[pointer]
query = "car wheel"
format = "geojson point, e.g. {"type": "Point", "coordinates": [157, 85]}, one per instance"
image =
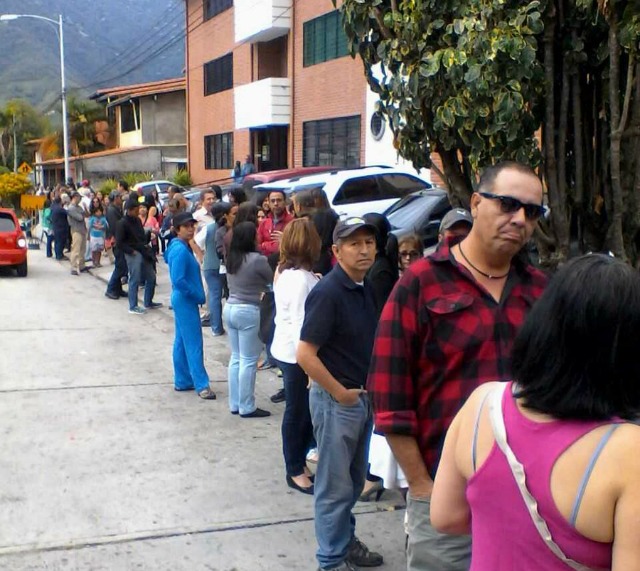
{"type": "Point", "coordinates": [22, 270]}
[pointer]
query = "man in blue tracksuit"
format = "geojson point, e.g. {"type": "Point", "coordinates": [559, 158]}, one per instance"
{"type": "Point", "coordinates": [187, 294]}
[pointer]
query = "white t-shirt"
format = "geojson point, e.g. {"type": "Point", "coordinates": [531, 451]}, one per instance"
{"type": "Point", "coordinates": [290, 292]}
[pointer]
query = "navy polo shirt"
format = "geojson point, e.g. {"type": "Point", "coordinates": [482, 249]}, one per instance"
{"type": "Point", "coordinates": [341, 319]}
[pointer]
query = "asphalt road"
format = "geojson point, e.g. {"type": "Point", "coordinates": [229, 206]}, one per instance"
{"type": "Point", "coordinates": [104, 467]}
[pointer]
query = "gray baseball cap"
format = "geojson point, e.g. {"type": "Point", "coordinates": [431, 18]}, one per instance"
{"type": "Point", "coordinates": [344, 228]}
{"type": "Point", "coordinates": [454, 217]}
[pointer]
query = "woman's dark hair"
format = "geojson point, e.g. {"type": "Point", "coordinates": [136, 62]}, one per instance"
{"type": "Point", "coordinates": [239, 195]}
{"type": "Point", "coordinates": [260, 197]}
{"type": "Point", "coordinates": [576, 356]}
{"type": "Point", "coordinates": [386, 242]}
{"type": "Point", "coordinates": [219, 210]}
{"type": "Point", "coordinates": [324, 221]}
{"type": "Point", "coordinates": [95, 207]}
{"type": "Point", "coordinates": [243, 241]}
{"type": "Point", "coordinates": [320, 198]}
{"type": "Point", "coordinates": [247, 212]}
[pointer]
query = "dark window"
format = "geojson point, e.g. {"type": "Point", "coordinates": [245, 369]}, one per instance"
{"type": "Point", "coordinates": [377, 126]}
{"type": "Point", "coordinates": [334, 142]}
{"type": "Point", "coordinates": [361, 189]}
{"type": "Point", "coordinates": [324, 39]}
{"type": "Point", "coordinates": [6, 223]}
{"type": "Point", "coordinates": [218, 151]}
{"type": "Point", "coordinates": [397, 185]}
{"type": "Point", "coordinates": [218, 74]}
{"type": "Point", "coordinates": [129, 117]}
{"type": "Point", "coordinates": [214, 7]}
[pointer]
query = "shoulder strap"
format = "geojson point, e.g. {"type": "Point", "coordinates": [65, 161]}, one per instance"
{"type": "Point", "coordinates": [474, 444]}
{"type": "Point", "coordinates": [517, 469]}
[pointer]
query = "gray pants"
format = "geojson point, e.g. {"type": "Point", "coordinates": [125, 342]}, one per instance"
{"type": "Point", "coordinates": [429, 550]}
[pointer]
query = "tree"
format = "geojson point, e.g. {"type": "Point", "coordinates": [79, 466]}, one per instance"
{"type": "Point", "coordinates": [83, 115]}
{"type": "Point", "coordinates": [552, 83]}
{"type": "Point", "coordinates": [19, 122]}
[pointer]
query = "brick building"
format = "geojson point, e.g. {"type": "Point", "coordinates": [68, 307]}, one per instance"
{"type": "Point", "coordinates": [272, 79]}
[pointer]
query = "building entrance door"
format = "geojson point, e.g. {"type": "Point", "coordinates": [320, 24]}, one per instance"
{"type": "Point", "coordinates": [270, 147]}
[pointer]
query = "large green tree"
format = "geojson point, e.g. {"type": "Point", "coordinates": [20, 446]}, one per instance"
{"type": "Point", "coordinates": [19, 122]}
{"type": "Point", "coordinates": [553, 83]}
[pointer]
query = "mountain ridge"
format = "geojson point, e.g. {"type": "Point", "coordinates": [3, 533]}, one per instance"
{"type": "Point", "coordinates": [128, 41]}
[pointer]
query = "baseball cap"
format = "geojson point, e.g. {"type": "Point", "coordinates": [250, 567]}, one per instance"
{"type": "Point", "coordinates": [113, 195]}
{"type": "Point", "coordinates": [181, 219]}
{"type": "Point", "coordinates": [455, 216]}
{"type": "Point", "coordinates": [132, 202]}
{"type": "Point", "coordinates": [344, 228]}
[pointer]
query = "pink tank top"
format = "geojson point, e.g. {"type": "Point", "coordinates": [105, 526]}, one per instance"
{"type": "Point", "coordinates": [504, 537]}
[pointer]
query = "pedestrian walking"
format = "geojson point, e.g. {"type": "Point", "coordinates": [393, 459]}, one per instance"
{"type": "Point", "coordinates": [448, 327]}
{"type": "Point", "coordinates": [132, 239]}
{"type": "Point", "coordinates": [548, 454]}
{"type": "Point", "coordinates": [249, 275]}
{"type": "Point", "coordinates": [187, 294]}
{"type": "Point", "coordinates": [334, 350]}
{"type": "Point", "coordinates": [299, 250]}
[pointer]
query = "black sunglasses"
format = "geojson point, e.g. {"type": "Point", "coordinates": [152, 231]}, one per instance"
{"type": "Point", "coordinates": [509, 205]}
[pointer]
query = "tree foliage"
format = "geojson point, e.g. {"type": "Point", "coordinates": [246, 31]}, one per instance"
{"type": "Point", "coordinates": [19, 122]}
{"type": "Point", "coordinates": [13, 185]}
{"type": "Point", "coordinates": [552, 83]}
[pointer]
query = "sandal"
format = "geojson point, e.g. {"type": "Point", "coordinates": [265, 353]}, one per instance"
{"type": "Point", "coordinates": [207, 394]}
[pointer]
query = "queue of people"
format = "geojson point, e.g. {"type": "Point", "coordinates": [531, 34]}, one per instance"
{"type": "Point", "coordinates": [394, 367]}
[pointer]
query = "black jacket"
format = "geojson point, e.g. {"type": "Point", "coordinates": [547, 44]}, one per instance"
{"type": "Point", "coordinates": [130, 236]}
{"type": "Point", "coordinates": [114, 215]}
{"type": "Point", "coordinates": [59, 222]}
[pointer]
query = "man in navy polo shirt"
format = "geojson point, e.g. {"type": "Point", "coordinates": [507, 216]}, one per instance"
{"type": "Point", "coordinates": [335, 349]}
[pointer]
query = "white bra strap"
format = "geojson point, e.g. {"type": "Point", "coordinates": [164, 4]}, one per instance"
{"type": "Point", "coordinates": [517, 469]}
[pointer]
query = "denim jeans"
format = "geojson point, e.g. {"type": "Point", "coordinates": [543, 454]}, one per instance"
{"type": "Point", "coordinates": [243, 323]}
{"type": "Point", "coordinates": [343, 434]}
{"type": "Point", "coordinates": [214, 285]}
{"type": "Point", "coordinates": [119, 271]}
{"type": "Point", "coordinates": [140, 269]}
{"type": "Point", "coordinates": [49, 238]}
{"type": "Point", "coordinates": [297, 430]}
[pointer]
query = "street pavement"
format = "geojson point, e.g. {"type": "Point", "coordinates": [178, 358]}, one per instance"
{"type": "Point", "coordinates": [105, 467]}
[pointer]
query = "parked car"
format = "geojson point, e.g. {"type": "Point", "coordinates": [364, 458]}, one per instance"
{"type": "Point", "coordinates": [162, 186]}
{"type": "Point", "coordinates": [13, 242]}
{"type": "Point", "coordinates": [355, 192]}
{"type": "Point", "coordinates": [419, 213]}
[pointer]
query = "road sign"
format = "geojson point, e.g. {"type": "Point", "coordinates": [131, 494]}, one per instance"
{"type": "Point", "coordinates": [25, 169]}
{"type": "Point", "coordinates": [32, 202]}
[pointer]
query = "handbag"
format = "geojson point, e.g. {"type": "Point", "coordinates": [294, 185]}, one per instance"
{"type": "Point", "coordinates": [267, 317]}
{"type": "Point", "coordinates": [517, 469]}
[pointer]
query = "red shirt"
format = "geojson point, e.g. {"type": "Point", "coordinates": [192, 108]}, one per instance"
{"type": "Point", "coordinates": [268, 245]}
{"type": "Point", "coordinates": [440, 335]}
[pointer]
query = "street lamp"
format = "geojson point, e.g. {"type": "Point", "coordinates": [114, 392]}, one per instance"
{"type": "Point", "coordinates": [65, 119]}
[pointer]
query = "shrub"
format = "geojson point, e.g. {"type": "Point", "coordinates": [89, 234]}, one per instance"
{"type": "Point", "coordinates": [182, 178]}
{"type": "Point", "coordinates": [108, 185]}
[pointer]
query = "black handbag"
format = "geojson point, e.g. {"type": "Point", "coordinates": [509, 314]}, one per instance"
{"type": "Point", "coordinates": [267, 317]}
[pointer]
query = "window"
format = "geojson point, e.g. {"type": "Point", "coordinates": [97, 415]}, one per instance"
{"type": "Point", "coordinates": [397, 185]}
{"type": "Point", "coordinates": [324, 39]}
{"type": "Point", "coordinates": [218, 151]}
{"type": "Point", "coordinates": [377, 126]}
{"type": "Point", "coordinates": [129, 117]}
{"type": "Point", "coordinates": [6, 223]}
{"type": "Point", "coordinates": [218, 74]}
{"type": "Point", "coordinates": [334, 142]}
{"type": "Point", "coordinates": [361, 189]}
{"type": "Point", "coordinates": [214, 7]}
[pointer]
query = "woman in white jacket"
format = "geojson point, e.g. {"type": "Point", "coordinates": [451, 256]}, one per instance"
{"type": "Point", "coordinates": [299, 249]}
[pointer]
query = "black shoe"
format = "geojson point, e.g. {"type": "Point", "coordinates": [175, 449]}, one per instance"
{"type": "Point", "coordinates": [112, 295]}
{"type": "Point", "coordinates": [360, 556]}
{"type": "Point", "coordinates": [278, 397]}
{"type": "Point", "coordinates": [86, 269]}
{"type": "Point", "coordinates": [153, 305]}
{"type": "Point", "coordinates": [292, 484]}
{"type": "Point", "coordinates": [205, 322]}
{"type": "Point", "coordinates": [258, 413]}
{"type": "Point", "coordinates": [207, 394]}
{"type": "Point", "coordinates": [124, 294]}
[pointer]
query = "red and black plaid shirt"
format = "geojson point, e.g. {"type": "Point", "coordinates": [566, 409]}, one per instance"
{"type": "Point", "coordinates": [441, 335]}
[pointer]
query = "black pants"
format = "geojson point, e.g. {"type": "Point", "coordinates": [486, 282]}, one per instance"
{"type": "Point", "coordinates": [59, 242]}
{"type": "Point", "coordinates": [297, 430]}
{"type": "Point", "coordinates": [119, 271]}
{"type": "Point", "coordinates": [49, 237]}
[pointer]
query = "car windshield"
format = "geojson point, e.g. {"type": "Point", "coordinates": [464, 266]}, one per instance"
{"type": "Point", "coordinates": [408, 213]}
{"type": "Point", "coordinates": [6, 223]}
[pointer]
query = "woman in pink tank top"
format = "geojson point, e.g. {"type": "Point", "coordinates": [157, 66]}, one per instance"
{"type": "Point", "coordinates": [577, 372]}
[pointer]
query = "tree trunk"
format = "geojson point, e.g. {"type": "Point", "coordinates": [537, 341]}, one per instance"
{"type": "Point", "coordinates": [460, 188]}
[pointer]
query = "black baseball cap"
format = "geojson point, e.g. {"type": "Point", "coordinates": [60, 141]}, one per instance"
{"type": "Point", "coordinates": [344, 228]}
{"type": "Point", "coordinates": [182, 219]}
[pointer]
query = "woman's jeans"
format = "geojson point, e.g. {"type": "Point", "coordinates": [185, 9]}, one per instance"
{"type": "Point", "coordinates": [297, 430]}
{"type": "Point", "coordinates": [243, 324]}
{"type": "Point", "coordinates": [140, 270]}
{"type": "Point", "coordinates": [214, 285]}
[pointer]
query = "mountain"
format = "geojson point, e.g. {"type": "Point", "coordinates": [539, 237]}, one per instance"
{"type": "Point", "coordinates": [107, 43]}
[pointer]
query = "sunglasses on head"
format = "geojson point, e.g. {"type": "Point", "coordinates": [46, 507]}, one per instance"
{"type": "Point", "coordinates": [510, 205]}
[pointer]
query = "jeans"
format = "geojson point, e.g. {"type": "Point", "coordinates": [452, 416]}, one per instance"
{"type": "Point", "coordinates": [188, 357]}
{"type": "Point", "coordinates": [297, 429]}
{"type": "Point", "coordinates": [49, 235]}
{"type": "Point", "coordinates": [59, 242]}
{"type": "Point", "coordinates": [343, 434]}
{"type": "Point", "coordinates": [140, 269]}
{"type": "Point", "coordinates": [214, 284]}
{"type": "Point", "coordinates": [243, 323]}
{"type": "Point", "coordinates": [119, 271]}
{"type": "Point", "coordinates": [428, 549]}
